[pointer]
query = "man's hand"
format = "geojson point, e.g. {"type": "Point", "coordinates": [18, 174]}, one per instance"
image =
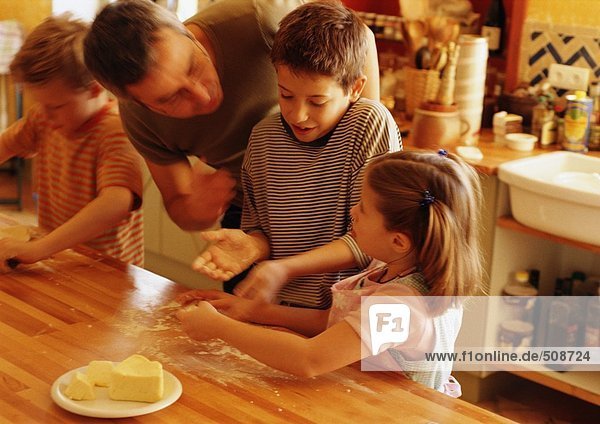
{"type": "Point", "coordinates": [212, 191]}
{"type": "Point", "coordinates": [230, 252]}
{"type": "Point", "coordinates": [196, 197]}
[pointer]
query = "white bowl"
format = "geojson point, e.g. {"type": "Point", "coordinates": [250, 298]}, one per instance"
{"type": "Point", "coordinates": [520, 141]}
{"type": "Point", "coordinates": [557, 192]}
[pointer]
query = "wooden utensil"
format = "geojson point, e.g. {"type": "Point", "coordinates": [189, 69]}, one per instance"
{"type": "Point", "coordinates": [446, 91]}
{"type": "Point", "coordinates": [441, 30]}
{"type": "Point", "coordinates": [415, 33]}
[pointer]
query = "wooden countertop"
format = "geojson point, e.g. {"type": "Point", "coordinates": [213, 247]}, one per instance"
{"type": "Point", "coordinates": [495, 154]}
{"type": "Point", "coordinates": [78, 306]}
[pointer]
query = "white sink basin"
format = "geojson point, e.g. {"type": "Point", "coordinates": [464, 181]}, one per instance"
{"type": "Point", "coordinates": [557, 192]}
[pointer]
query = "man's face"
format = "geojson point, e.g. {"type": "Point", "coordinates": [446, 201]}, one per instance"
{"type": "Point", "coordinates": [183, 82]}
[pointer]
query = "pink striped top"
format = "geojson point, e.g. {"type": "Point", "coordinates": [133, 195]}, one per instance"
{"type": "Point", "coordinates": [70, 172]}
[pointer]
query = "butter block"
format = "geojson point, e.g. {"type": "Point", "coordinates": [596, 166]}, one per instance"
{"type": "Point", "coordinates": [137, 379]}
{"type": "Point", "coordinates": [80, 388]}
{"type": "Point", "coordinates": [99, 373]}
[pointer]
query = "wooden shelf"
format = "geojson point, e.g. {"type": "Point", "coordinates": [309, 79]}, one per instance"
{"type": "Point", "coordinates": [510, 223]}
{"type": "Point", "coordinates": [581, 384]}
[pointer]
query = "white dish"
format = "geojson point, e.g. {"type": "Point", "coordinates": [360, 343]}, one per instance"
{"type": "Point", "coordinates": [469, 152]}
{"type": "Point", "coordinates": [520, 141]}
{"type": "Point", "coordinates": [557, 192]}
{"type": "Point", "coordinates": [104, 407]}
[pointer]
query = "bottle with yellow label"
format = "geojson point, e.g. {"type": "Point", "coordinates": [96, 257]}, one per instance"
{"type": "Point", "coordinates": [577, 122]}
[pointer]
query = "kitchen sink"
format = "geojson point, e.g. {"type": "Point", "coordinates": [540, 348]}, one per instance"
{"type": "Point", "coordinates": [557, 192]}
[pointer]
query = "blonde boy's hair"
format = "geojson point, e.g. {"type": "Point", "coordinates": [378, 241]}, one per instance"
{"type": "Point", "coordinates": [53, 50]}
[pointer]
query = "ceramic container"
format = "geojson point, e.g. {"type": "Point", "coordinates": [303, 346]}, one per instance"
{"type": "Point", "coordinates": [436, 126]}
{"type": "Point", "coordinates": [520, 141]}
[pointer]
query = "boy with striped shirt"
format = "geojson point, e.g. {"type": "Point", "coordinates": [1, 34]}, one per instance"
{"type": "Point", "coordinates": [88, 176]}
{"type": "Point", "coordinates": [302, 170]}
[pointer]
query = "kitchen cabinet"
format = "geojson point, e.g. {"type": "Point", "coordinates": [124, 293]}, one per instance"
{"type": "Point", "coordinates": [516, 247]}
{"type": "Point", "coordinates": [169, 251]}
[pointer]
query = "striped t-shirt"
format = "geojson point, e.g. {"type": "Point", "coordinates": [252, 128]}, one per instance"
{"type": "Point", "coordinates": [300, 194]}
{"type": "Point", "coordinates": [70, 172]}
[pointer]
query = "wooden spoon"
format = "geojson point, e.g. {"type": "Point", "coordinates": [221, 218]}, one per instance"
{"type": "Point", "coordinates": [442, 30]}
{"type": "Point", "coordinates": [416, 31]}
{"type": "Point", "coordinates": [439, 58]}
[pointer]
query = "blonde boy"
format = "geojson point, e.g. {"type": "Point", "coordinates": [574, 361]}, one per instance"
{"type": "Point", "coordinates": [88, 175]}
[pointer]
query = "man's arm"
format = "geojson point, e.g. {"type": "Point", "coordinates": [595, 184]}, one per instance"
{"type": "Point", "coordinates": [195, 197]}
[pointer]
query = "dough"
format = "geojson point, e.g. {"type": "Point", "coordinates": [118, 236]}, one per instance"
{"type": "Point", "coordinates": [80, 388]}
{"type": "Point", "coordinates": [134, 379]}
{"type": "Point", "coordinates": [16, 232]}
{"type": "Point", "coordinates": [99, 373]}
{"type": "Point", "coordinates": [137, 379]}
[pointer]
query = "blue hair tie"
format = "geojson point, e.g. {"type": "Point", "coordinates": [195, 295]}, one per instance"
{"type": "Point", "coordinates": [443, 152]}
{"type": "Point", "coordinates": [427, 200]}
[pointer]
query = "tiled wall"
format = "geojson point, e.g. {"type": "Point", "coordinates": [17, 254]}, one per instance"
{"type": "Point", "coordinates": [544, 44]}
{"type": "Point", "coordinates": [552, 36]}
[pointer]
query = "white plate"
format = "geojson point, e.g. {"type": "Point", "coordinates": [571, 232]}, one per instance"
{"type": "Point", "coordinates": [104, 407]}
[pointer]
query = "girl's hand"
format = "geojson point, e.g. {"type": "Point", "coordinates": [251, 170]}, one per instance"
{"type": "Point", "coordinates": [200, 321]}
{"type": "Point", "coordinates": [230, 252]}
{"type": "Point", "coordinates": [263, 282]}
{"type": "Point", "coordinates": [193, 296]}
{"type": "Point", "coordinates": [233, 306]}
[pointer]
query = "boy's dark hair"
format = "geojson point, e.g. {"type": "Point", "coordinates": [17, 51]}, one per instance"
{"type": "Point", "coordinates": [325, 38]}
{"type": "Point", "coordinates": [53, 50]}
{"type": "Point", "coordinates": [118, 49]}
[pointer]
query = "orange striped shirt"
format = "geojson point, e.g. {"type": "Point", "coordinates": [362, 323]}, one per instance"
{"type": "Point", "coordinates": [69, 174]}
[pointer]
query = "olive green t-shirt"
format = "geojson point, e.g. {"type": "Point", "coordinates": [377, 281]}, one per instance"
{"type": "Point", "coordinates": [241, 32]}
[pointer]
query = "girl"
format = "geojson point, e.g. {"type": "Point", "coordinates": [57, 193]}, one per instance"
{"type": "Point", "coordinates": [418, 217]}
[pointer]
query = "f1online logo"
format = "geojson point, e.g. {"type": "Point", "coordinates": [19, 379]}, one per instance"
{"type": "Point", "coordinates": [389, 323]}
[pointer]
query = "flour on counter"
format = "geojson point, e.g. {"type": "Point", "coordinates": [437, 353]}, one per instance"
{"type": "Point", "coordinates": [211, 359]}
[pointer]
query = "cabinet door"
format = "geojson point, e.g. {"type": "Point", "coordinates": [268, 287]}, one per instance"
{"type": "Point", "coordinates": [169, 250]}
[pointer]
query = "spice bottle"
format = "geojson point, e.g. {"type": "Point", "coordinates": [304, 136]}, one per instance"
{"type": "Point", "coordinates": [594, 143]}
{"type": "Point", "coordinates": [592, 323]}
{"type": "Point", "coordinates": [519, 297]}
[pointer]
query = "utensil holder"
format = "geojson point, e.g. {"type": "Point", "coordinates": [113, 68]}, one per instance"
{"type": "Point", "coordinates": [421, 86]}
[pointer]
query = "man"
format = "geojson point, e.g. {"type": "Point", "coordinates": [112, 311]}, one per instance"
{"type": "Point", "coordinates": [194, 90]}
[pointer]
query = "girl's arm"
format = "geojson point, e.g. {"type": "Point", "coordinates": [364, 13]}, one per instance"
{"type": "Point", "coordinates": [335, 348]}
{"type": "Point", "coordinates": [306, 321]}
{"type": "Point", "coordinates": [112, 205]}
